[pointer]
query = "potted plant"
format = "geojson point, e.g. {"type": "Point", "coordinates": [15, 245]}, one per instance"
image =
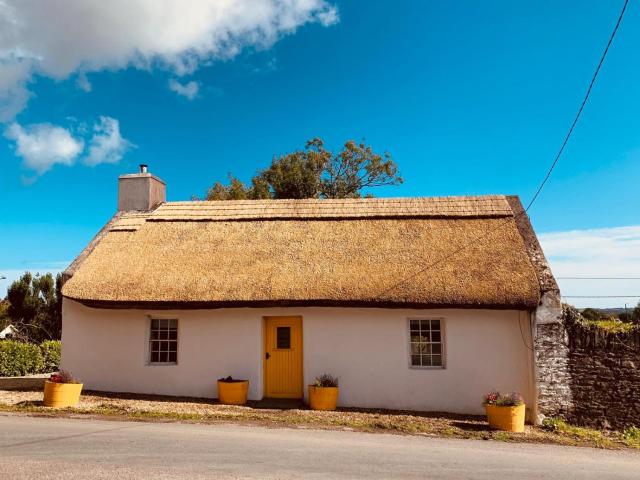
{"type": "Point", "coordinates": [505, 411]}
{"type": "Point", "coordinates": [232, 391]}
{"type": "Point", "coordinates": [323, 394]}
{"type": "Point", "coordinates": [62, 390]}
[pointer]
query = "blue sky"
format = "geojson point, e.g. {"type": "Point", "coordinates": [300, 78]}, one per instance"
{"type": "Point", "coordinates": [468, 97]}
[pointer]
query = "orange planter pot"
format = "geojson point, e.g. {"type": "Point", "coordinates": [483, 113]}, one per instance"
{"type": "Point", "coordinates": [509, 419]}
{"type": "Point", "coordinates": [61, 394]}
{"type": "Point", "coordinates": [233, 393]}
{"type": "Point", "coordinates": [323, 398]}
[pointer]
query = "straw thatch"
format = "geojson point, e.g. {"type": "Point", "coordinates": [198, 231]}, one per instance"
{"type": "Point", "coordinates": [464, 252]}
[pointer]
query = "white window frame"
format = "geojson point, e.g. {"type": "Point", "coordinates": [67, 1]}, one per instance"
{"type": "Point", "coordinates": [148, 362]}
{"type": "Point", "coordinates": [443, 344]}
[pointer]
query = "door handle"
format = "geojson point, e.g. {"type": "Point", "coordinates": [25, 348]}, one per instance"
{"type": "Point", "coordinates": [267, 355]}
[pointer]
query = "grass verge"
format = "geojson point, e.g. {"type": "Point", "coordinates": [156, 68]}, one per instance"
{"type": "Point", "coordinates": [168, 409]}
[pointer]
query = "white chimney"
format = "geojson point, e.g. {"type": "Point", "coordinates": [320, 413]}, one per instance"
{"type": "Point", "coordinates": [140, 191]}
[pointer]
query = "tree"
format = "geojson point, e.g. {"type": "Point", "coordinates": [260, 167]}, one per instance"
{"type": "Point", "coordinates": [35, 306]}
{"type": "Point", "coordinates": [591, 314]}
{"type": "Point", "coordinates": [315, 173]}
{"type": "Point", "coordinates": [635, 315]}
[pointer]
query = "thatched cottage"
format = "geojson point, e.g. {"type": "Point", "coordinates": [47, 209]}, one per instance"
{"type": "Point", "coordinates": [414, 303]}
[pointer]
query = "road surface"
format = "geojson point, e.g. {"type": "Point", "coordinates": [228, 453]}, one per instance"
{"type": "Point", "coordinates": [72, 448]}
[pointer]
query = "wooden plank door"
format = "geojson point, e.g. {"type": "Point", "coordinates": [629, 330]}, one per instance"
{"type": "Point", "coordinates": [283, 357]}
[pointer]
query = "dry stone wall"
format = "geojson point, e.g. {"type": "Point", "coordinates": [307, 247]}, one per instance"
{"type": "Point", "coordinates": [588, 376]}
{"type": "Point", "coordinates": [605, 378]}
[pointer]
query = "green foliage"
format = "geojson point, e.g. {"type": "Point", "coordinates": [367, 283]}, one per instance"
{"type": "Point", "coordinates": [562, 427]}
{"type": "Point", "coordinates": [611, 325]}
{"type": "Point", "coordinates": [591, 314]}
{"type": "Point", "coordinates": [50, 355]}
{"type": "Point", "coordinates": [315, 173]}
{"type": "Point", "coordinates": [632, 433]}
{"type": "Point", "coordinates": [635, 315]}
{"type": "Point", "coordinates": [18, 358]}
{"type": "Point", "coordinates": [4, 314]}
{"type": "Point", "coordinates": [553, 424]}
{"type": "Point", "coordinates": [572, 317]}
{"type": "Point", "coordinates": [35, 306]}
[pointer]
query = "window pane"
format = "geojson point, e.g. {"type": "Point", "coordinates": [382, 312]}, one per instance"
{"type": "Point", "coordinates": [436, 360]}
{"type": "Point", "coordinates": [435, 337]}
{"type": "Point", "coordinates": [415, 324]}
{"type": "Point", "coordinates": [163, 344]}
{"type": "Point", "coordinates": [415, 337]}
{"type": "Point", "coordinates": [424, 325]}
{"type": "Point", "coordinates": [426, 348]}
{"type": "Point", "coordinates": [435, 324]}
{"type": "Point", "coordinates": [436, 348]}
{"type": "Point", "coordinates": [426, 360]}
{"type": "Point", "coordinates": [415, 360]}
{"type": "Point", "coordinates": [283, 337]}
{"type": "Point", "coordinates": [426, 337]}
{"type": "Point", "coordinates": [415, 348]}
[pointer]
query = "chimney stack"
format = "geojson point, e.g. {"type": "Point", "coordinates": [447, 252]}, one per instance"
{"type": "Point", "coordinates": [140, 191]}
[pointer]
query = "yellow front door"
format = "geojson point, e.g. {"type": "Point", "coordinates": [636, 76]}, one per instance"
{"type": "Point", "coordinates": [283, 357]}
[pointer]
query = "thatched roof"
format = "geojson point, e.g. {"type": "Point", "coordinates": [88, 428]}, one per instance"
{"type": "Point", "coordinates": [415, 252]}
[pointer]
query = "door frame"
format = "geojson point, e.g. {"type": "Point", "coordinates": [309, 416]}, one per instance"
{"type": "Point", "coordinates": [264, 351]}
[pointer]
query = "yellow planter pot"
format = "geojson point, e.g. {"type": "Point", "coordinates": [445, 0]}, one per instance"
{"type": "Point", "coordinates": [233, 393]}
{"type": "Point", "coordinates": [61, 394]}
{"type": "Point", "coordinates": [323, 398]}
{"type": "Point", "coordinates": [509, 419]}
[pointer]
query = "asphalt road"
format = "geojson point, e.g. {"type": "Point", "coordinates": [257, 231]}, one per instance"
{"type": "Point", "coordinates": [68, 448]}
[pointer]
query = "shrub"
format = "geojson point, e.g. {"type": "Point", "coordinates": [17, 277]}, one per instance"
{"type": "Point", "coordinates": [632, 434]}
{"type": "Point", "coordinates": [512, 399]}
{"type": "Point", "coordinates": [326, 380]}
{"type": "Point", "coordinates": [50, 355]}
{"type": "Point", "coordinates": [18, 358]}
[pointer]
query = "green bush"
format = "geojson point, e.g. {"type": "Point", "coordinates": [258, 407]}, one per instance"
{"type": "Point", "coordinates": [50, 355]}
{"type": "Point", "coordinates": [17, 358]}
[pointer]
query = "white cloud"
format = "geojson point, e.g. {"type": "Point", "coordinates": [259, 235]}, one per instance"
{"type": "Point", "coordinates": [59, 37]}
{"type": "Point", "coordinates": [605, 252]}
{"type": "Point", "coordinates": [107, 144]}
{"type": "Point", "coordinates": [188, 90]}
{"type": "Point", "coordinates": [43, 145]}
{"type": "Point", "coordinates": [13, 91]}
{"type": "Point", "coordinates": [83, 82]}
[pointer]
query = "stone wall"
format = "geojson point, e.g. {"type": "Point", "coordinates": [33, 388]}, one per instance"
{"type": "Point", "coordinates": [605, 378]}
{"type": "Point", "coordinates": [588, 376]}
{"type": "Point", "coordinates": [553, 371]}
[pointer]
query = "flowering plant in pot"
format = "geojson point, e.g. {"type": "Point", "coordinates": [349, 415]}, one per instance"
{"type": "Point", "coordinates": [323, 394]}
{"type": "Point", "coordinates": [62, 390]}
{"type": "Point", "coordinates": [232, 391]}
{"type": "Point", "coordinates": [505, 411]}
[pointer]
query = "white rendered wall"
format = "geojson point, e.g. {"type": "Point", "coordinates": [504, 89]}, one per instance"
{"type": "Point", "coordinates": [368, 349]}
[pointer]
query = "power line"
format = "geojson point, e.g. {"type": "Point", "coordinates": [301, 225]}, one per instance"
{"type": "Point", "coordinates": [584, 102]}
{"type": "Point", "coordinates": [544, 181]}
{"type": "Point", "coordinates": [597, 278]}
{"type": "Point", "coordinates": [600, 296]}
